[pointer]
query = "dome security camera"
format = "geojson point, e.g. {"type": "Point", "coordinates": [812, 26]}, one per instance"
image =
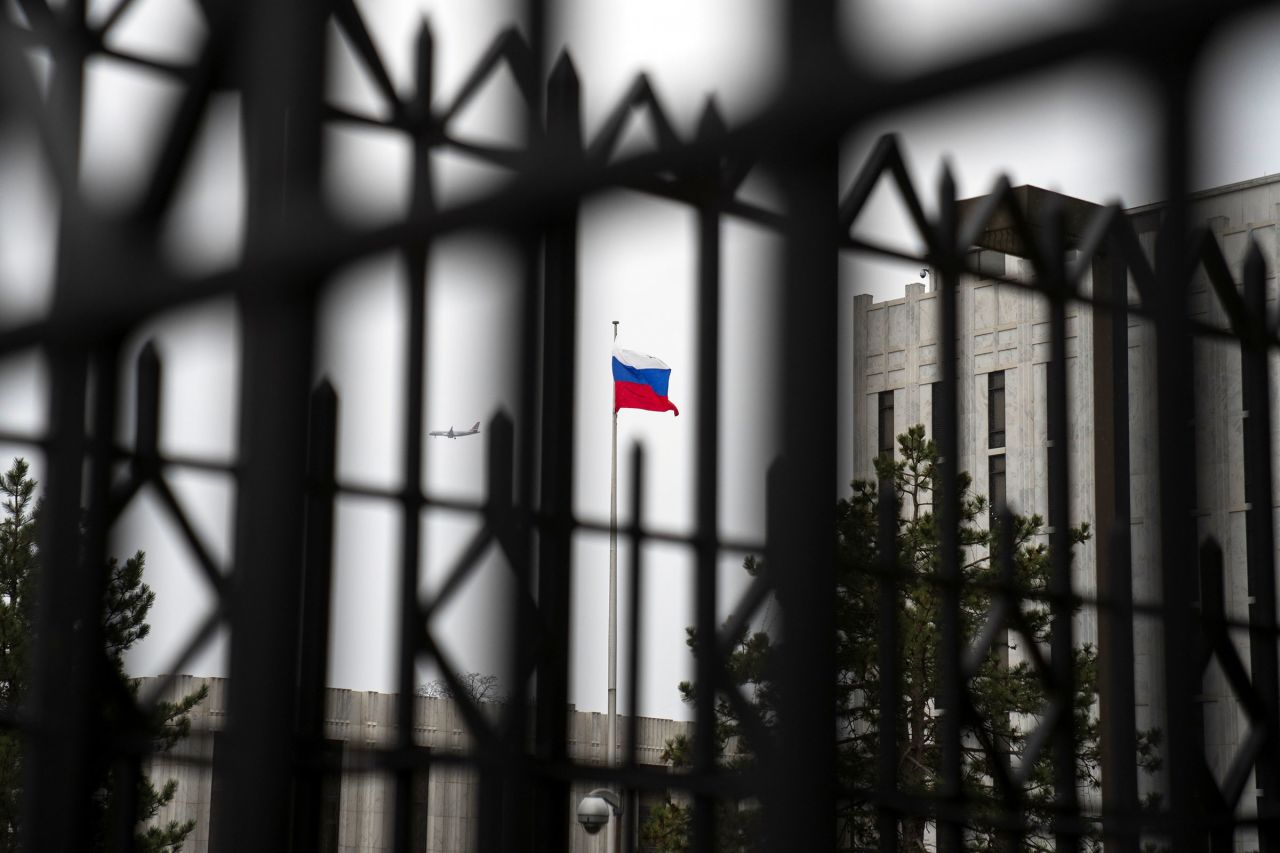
{"type": "Point", "coordinates": [593, 814]}
{"type": "Point", "coordinates": [594, 810]}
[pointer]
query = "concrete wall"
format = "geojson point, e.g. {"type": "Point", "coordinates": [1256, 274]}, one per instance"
{"type": "Point", "coordinates": [1236, 215]}
{"type": "Point", "coordinates": [365, 797]}
{"type": "Point", "coordinates": [1001, 327]}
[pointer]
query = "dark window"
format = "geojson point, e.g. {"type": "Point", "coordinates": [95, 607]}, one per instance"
{"type": "Point", "coordinates": [1050, 474]}
{"type": "Point", "coordinates": [935, 417]}
{"type": "Point", "coordinates": [995, 409]}
{"type": "Point", "coordinates": [885, 441]}
{"type": "Point", "coordinates": [1048, 480]}
{"type": "Point", "coordinates": [996, 483]}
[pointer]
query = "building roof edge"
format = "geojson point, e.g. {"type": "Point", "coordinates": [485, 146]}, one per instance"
{"type": "Point", "coordinates": [1210, 192]}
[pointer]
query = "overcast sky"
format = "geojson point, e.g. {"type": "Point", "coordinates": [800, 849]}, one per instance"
{"type": "Point", "coordinates": [1085, 130]}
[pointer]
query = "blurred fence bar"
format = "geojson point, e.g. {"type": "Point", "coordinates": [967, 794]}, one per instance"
{"type": "Point", "coordinates": [1115, 572]}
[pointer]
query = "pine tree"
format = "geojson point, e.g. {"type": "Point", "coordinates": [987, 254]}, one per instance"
{"type": "Point", "coordinates": [127, 602]}
{"type": "Point", "coordinates": [18, 569]}
{"type": "Point", "coordinates": [1007, 692]}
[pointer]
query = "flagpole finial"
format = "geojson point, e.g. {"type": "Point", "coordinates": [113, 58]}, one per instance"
{"type": "Point", "coordinates": [615, 330]}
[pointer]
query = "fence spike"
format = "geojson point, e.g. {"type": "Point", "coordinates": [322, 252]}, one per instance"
{"type": "Point", "coordinates": [147, 425]}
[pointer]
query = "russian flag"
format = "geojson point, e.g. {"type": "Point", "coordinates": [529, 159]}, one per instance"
{"type": "Point", "coordinates": [640, 382]}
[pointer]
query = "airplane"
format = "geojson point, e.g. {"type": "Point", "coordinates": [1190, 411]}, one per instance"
{"type": "Point", "coordinates": [449, 433]}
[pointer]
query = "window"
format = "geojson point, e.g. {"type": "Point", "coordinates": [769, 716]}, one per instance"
{"type": "Point", "coordinates": [995, 409]}
{"type": "Point", "coordinates": [996, 484]}
{"type": "Point", "coordinates": [885, 441]}
{"type": "Point", "coordinates": [1048, 481]}
{"type": "Point", "coordinates": [935, 417]}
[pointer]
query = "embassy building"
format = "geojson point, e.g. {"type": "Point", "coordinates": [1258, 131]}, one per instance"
{"type": "Point", "coordinates": [1003, 345]}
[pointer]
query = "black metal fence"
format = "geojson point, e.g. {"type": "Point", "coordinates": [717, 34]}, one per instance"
{"type": "Point", "coordinates": [111, 279]}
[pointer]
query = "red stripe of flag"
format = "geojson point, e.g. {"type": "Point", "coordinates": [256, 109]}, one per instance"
{"type": "Point", "coordinates": [634, 395]}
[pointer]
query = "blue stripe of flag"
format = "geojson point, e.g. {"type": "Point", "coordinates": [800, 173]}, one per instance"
{"type": "Point", "coordinates": [656, 378]}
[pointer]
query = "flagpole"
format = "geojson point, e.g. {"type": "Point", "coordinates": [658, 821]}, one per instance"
{"type": "Point", "coordinates": [613, 598]}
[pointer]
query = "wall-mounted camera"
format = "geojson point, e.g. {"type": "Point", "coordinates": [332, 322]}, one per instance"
{"type": "Point", "coordinates": [594, 810]}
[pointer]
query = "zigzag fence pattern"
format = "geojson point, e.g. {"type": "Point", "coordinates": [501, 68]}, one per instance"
{"type": "Point", "coordinates": [274, 600]}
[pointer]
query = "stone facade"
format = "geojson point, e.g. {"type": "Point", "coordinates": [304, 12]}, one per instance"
{"type": "Point", "coordinates": [356, 812]}
{"type": "Point", "coordinates": [1003, 330]}
{"type": "Point", "coordinates": [1002, 327]}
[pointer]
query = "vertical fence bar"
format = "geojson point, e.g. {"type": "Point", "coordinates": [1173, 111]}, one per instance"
{"type": "Point", "coordinates": [1115, 581]}
{"type": "Point", "coordinates": [283, 50]}
{"type": "Point", "coordinates": [127, 769]}
{"type": "Point", "coordinates": [58, 748]}
{"type": "Point", "coordinates": [707, 477]}
{"type": "Point", "coordinates": [499, 759]}
{"type": "Point", "coordinates": [86, 667]}
{"type": "Point", "coordinates": [636, 538]}
{"type": "Point", "coordinates": [96, 533]}
{"type": "Point", "coordinates": [1175, 406]}
{"type": "Point", "coordinates": [317, 584]}
{"type": "Point", "coordinates": [890, 676]}
{"type": "Point", "coordinates": [776, 494]}
{"type": "Point", "coordinates": [559, 348]}
{"type": "Point", "coordinates": [802, 806]}
{"type": "Point", "coordinates": [1061, 604]}
{"type": "Point", "coordinates": [949, 644]}
{"type": "Point", "coordinates": [1213, 630]}
{"type": "Point", "coordinates": [518, 807]}
{"type": "Point", "coordinates": [416, 260]}
{"type": "Point", "coordinates": [123, 815]}
{"type": "Point", "coordinates": [1014, 838]}
{"type": "Point", "coordinates": [264, 608]}
{"type": "Point", "coordinates": [518, 802]}
{"type": "Point", "coordinates": [1260, 540]}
